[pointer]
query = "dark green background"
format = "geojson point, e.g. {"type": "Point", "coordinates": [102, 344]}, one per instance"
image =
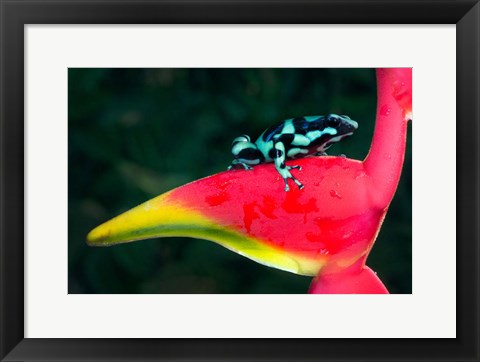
{"type": "Point", "coordinates": [136, 133]}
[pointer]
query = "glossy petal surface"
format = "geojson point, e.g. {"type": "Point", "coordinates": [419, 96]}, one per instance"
{"type": "Point", "coordinates": [332, 219]}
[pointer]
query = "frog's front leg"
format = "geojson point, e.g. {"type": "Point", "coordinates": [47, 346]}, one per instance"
{"type": "Point", "coordinates": [283, 170]}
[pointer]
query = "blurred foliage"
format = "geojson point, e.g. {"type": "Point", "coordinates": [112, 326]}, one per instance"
{"type": "Point", "coordinates": [136, 133]}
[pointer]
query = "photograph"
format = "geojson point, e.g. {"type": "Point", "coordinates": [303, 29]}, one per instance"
{"type": "Point", "coordinates": [239, 181]}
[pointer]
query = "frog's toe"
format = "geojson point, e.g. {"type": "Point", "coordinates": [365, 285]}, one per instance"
{"type": "Point", "coordinates": [237, 165]}
{"type": "Point", "coordinates": [299, 168]}
{"type": "Point", "coordinates": [299, 184]}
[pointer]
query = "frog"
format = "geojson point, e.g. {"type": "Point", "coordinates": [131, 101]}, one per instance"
{"type": "Point", "coordinates": [291, 139]}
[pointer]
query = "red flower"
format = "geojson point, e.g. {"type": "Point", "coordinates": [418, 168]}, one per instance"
{"type": "Point", "coordinates": [327, 229]}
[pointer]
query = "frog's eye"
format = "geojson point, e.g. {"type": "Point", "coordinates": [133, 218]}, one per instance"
{"type": "Point", "coordinates": [333, 121]}
{"type": "Point", "coordinates": [243, 138]}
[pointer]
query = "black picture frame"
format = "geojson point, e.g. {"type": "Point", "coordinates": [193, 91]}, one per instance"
{"type": "Point", "coordinates": [16, 14]}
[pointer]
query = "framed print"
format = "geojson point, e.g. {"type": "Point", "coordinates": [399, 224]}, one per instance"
{"type": "Point", "coordinates": [118, 102]}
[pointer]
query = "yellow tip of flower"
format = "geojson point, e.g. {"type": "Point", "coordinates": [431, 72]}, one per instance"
{"type": "Point", "coordinates": [162, 217]}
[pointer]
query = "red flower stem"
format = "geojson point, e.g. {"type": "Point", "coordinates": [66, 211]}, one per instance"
{"type": "Point", "coordinates": [385, 160]}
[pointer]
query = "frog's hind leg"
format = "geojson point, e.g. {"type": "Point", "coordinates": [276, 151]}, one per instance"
{"type": "Point", "coordinates": [284, 170]}
{"type": "Point", "coordinates": [238, 162]}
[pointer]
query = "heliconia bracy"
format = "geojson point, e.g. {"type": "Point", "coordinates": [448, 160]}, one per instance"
{"type": "Point", "coordinates": [325, 230]}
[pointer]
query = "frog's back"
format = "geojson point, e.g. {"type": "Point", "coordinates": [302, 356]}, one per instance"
{"type": "Point", "coordinates": [268, 134]}
{"type": "Point", "coordinates": [299, 125]}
